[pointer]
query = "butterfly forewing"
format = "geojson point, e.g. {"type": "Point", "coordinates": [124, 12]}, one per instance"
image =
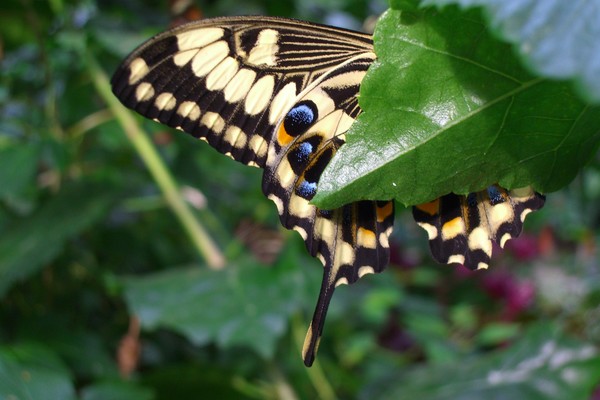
{"type": "Point", "coordinates": [229, 80]}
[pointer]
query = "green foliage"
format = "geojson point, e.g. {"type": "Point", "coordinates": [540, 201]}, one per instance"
{"type": "Point", "coordinates": [452, 108]}
{"type": "Point", "coordinates": [545, 37]}
{"type": "Point", "coordinates": [37, 239]}
{"type": "Point", "coordinates": [89, 244]}
{"type": "Point", "coordinates": [31, 371]}
{"type": "Point", "coordinates": [116, 390]}
{"type": "Point", "coordinates": [232, 307]}
{"type": "Point", "coordinates": [542, 364]}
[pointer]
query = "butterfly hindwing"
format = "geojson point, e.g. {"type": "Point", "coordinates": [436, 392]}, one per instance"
{"type": "Point", "coordinates": [350, 241]}
{"type": "Point", "coordinates": [462, 229]}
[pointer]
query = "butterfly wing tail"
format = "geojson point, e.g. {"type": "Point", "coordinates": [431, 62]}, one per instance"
{"type": "Point", "coordinates": [362, 248]}
{"type": "Point", "coordinates": [315, 329]}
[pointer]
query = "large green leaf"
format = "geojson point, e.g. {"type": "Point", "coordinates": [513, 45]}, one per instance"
{"type": "Point", "coordinates": [448, 108]}
{"type": "Point", "coordinates": [544, 364]}
{"type": "Point", "coordinates": [18, 164]}
{"type": "Point", "coordinates": [546, 37]}
{"type": "Point", "coordinates": [116, 389]}
{"type": "Point", "coordinates": [29, 243]}
{"type": "Point", "coordinates": [243, 305]}
{"type": "Point", "coordinates": [32, 372]}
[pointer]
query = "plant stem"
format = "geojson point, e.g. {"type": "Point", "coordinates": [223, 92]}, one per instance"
{"type": "Point", "coordinates": [157, 168]}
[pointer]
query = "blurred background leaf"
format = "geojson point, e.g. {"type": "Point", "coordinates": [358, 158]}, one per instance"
{"type": "Point", "coordinates": [89, 248]}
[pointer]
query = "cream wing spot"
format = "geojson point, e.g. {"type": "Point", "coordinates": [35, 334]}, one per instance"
{"type": "Point", "coordinates": [321, 258]}
{"type": "Point", "coordinates": [265, 50]}
{"type": "Point", "coordinates": [286, 175]}
{"type": "Point", "coordinates": [144, 92]}
{"type": "Point", "coordinates": [342, 281]}
{"type": "Point", "coordinates": [278, 203]}
{"type": "Point", "coordinates": [500, 214]}
{"type": "Point", "coordinates": [259, 95]}
{"type": "Point", "coordinates": [325, 230]}
{"type": "Point", "coordinates": [235, 137]}
{"type": "Point", "coordinates": [364, 270]}
{"type": "Point", "coordinates": [282, 101]}
{"type": "Point", "coordinates": [165, 101]}
{"type": "Point", "coordinates": [347, 79]}
{"type": "Point", "coordinates": [479, 239]}
{"type": "Point", "coordinates": [213, 121]}
{"type": "Point", "coordinates": [456, 258]}
{"type": "Point", "coordinates": [505, 238]}
{"type": "Point", "coordinates": [384, 240]}
{"type": "Point", "coordinates": [431, 230]}
{"type": "Point", "coordinates": [344, 255]}
{"type": "Point", "coordinates": [209, 57]}
{"type": "Point", "coordinates": [524, 214]}
{"type": "Point", "coordinates": [183, 58]}
{"type": "Point", "coordinates": [137, 70]}
{"type": "Point", "coordinates": [189, 110]}
{"type": "Point", "coordinates": [239, 85]}
{"type": "Point", "coordinates": [219, 77]}
{"type": "Point", "coordinates": [194, 39]}
{"type": "Point", "coordinates": [300, 208]}
{"type": "Point", "coordinates": [271, 156]}
{"type": "Point", "coordinates": [259, 146]}
{"type": "Point", "coordinates": [301, 231]}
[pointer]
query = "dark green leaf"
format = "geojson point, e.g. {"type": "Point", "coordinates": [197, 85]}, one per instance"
{"type": "Point", "coordinates": [244, 304]}
{"type": "Point", "coordinates": [543, 364]}
{"type": "Point", "coordinates": [18, 164]}
{"type": "Point", "coordinates": [447, 108]}
{"type": "Point", "coordinates": [116, 390]}
{"type": "Point", "coordinates": [29, 243]}
{"type": "Point", "coordinates": [546, 37]}
{"type": "Point", "coordinates": [31, 372]}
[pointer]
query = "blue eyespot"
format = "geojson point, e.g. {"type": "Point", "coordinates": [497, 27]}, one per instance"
{"type": "Point", "coordinates": [495, 195]}
{"type": "Point", "coordinates": [472, 199]}
{"type": "Point", "coordinates": [304, 150]}
{"type": "Point", "coordinates": [326, 213]}
{"type": "Point", "coordinates": [300, 118]}
{"type": "Point", "coordinates": [306, 190]}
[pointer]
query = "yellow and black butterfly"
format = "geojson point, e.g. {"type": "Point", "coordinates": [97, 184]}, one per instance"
{"type": "Point", "coordinates": [280, 94]}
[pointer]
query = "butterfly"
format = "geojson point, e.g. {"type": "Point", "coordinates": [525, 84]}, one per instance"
{"type": "Point", "coordinates": [280, 94]}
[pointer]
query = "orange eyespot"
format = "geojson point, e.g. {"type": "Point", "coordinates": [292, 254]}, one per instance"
{"type": "Point", "coordinates": [282, 136]}
{"type": "Point", "coordinates": [430, 208]}
{"type": "Point", "coordinates": [385, 211]}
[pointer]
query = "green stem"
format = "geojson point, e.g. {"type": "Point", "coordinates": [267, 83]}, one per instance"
{"type": "Point", "coordinates": [161, 175]}
{"type": "Point", "coordinates": [315, 372]}
{"type": "Point", "coordinates": [284, 390]}
{"type": "Point", "coordinates": [89, 122]}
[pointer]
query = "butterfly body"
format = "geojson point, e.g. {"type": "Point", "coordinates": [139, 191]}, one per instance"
{"type": "Point", "coordinates": [280, 95]}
